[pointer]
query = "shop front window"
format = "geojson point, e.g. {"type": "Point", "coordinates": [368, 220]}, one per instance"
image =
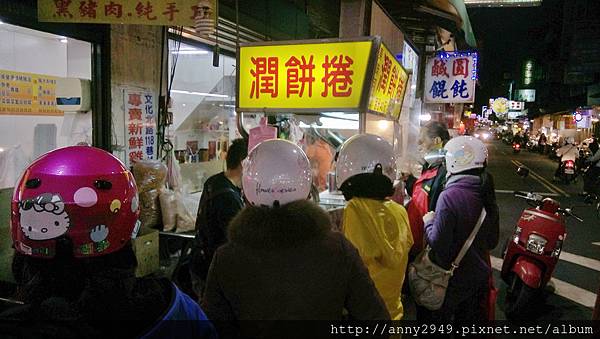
{"type": "Point", "coordinates": [203, 106]}
{"type": "Point", "coordinates": [35, 69]}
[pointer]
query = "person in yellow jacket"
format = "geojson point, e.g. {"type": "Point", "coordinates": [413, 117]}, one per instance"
{"type": "Point", "coordinates": [376, 226]}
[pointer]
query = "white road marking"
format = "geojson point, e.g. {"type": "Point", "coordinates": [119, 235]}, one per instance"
{"type": "Point", "coordinates": [562, 288]}
{"type": "Point", "coordinates": [546, 194]}
{"type": "Point", "coordinates": [580, 260]}
{"type": "Point", "coordinates": [542, 180]}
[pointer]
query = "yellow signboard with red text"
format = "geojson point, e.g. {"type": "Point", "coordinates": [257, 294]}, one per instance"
{"type": "Point", "coordinates": [320, 75]}
{"type": "Point", "coordinates": [303, 76]}
{"type": "Point", "coordinates": [27, 94]}
{"type": "Point", "coordinates": [147, 12]}
{"type": "Point", "coordinates": [389, 85]}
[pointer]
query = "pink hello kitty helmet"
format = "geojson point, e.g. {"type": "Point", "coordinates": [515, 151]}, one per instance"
{"type": "Point", "coordinates": [79, 192]}
{"type": "Point", "coordinates": [276, 170]}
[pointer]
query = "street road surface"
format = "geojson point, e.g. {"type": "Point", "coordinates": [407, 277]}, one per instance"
{"type": "Point", "coordinates": [573, 290]}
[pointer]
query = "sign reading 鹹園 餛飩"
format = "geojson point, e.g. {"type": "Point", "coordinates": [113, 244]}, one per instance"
{"type": "Point", "coordinates": [451, 77]}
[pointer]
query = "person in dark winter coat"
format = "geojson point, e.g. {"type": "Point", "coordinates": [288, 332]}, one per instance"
{"type": "Point", "coordinates": [221, 201]}
{"type": "Point", "coordinates": [468, 189]}
{"type": "Point", "coordinates": [74, 214]}
{"type": "Point", "coordinates": [283, 261]}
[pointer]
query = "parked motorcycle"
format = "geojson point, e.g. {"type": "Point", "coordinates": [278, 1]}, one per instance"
{"type": "Point", "coordinates": [516, 147]}
{"type": "Point", "coordinates": [531, 254]}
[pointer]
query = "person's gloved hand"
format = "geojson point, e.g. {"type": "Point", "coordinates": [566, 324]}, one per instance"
{"type": "Point", "coordinates": [428, 217]}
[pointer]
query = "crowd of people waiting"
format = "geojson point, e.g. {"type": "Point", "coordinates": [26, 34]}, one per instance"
{"type": "Point", "coordinates": [264, 253]}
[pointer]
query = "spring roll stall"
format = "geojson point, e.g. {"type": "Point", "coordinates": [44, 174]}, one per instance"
{"type": "Point", "coordinates": [318, 93]}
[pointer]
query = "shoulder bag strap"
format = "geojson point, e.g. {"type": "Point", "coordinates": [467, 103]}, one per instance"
{"type": "Point", "coordinates": [469, 241]}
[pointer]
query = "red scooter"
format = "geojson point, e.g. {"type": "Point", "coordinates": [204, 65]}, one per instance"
{"type": "Point", "coordinates": [531, 254]}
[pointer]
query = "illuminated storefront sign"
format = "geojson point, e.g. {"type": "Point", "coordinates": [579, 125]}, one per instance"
{"type": "Point", "coordinates": [320, 75]}
{"type": "Point", "coordinates": [528, 73]}
{"type": "Point", "coordinates": [526, 95]}
{"type": "Point", "coordinates": [451, 77]}
{"type": "Point", "coordinates": [388, 86]}
{"type": "Point", "coordinates": [303, 76]}
{"type": "Point", "coordinates": [500, 105]}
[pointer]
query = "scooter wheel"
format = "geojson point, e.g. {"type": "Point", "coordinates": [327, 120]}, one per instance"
{"type": "Point", "coordinates": [518, 300]}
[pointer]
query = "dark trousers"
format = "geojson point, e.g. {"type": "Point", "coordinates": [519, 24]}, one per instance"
{"type": "Point", "coordinates": [591, 180]}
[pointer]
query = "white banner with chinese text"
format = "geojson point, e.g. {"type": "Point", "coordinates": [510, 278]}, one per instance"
{"type": "Point", "coordinates": [450, 78]}
{"type": "Point", "coordinates": [140, 125]}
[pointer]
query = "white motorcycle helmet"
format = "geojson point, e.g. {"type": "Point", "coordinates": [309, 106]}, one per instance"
{"type": "Point", "coordinates": [464, 153]}
{"type": "Point", "coordinates": [360, 154]}
{"type": "Point", "coordinates": [276, 170]}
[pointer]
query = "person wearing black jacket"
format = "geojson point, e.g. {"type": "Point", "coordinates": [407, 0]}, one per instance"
{"type": "Point", "coordinates": [282, 262]}
{"type": "Point", "coordinates": [220, 202]}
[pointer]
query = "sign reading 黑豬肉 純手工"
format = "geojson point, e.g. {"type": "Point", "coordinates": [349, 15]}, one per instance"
{"type": "Point", "coordinates": [147, 12]}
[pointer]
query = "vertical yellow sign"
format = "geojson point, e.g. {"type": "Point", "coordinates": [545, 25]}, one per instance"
{"type": "Point", "coordinates": [388, 86]}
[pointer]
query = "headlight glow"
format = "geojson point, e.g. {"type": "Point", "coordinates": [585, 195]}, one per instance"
{"type": "Point", "coordinates": [536, 244]}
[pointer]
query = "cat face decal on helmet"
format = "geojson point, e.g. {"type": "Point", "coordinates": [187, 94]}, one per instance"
{"type": "Point", "coordinates": [44, 217]}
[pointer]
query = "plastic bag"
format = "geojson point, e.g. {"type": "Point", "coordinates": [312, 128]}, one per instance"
{"type": "Point", "coordinates": [176, 215]}
{"type": "Point", "coordinates": [168, 207]}
{"type": "Point", "coordinates": [149, 174]}
{"type": "Point", "coordinates": [186, 221]}
{"type": "Point", "coordinates": [174, 180]}
{"type": "Point", "coordinates": [150, 178]}
{"type": "Point", "coordinates": [150, 215]}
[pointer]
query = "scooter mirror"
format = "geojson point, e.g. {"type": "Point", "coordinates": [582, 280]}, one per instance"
{"type": "Point", "coordinates": [523, 172]}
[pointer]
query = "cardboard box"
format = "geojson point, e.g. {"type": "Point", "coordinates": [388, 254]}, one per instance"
{"type": "Point", "coordinates": [145, 247]}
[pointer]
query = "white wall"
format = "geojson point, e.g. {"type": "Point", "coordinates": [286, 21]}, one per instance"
{"type": "Point", "coordinates": [29, 51]}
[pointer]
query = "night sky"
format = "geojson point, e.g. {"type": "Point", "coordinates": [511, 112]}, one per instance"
{"type": "Point", "coordinates": [506, 37]}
